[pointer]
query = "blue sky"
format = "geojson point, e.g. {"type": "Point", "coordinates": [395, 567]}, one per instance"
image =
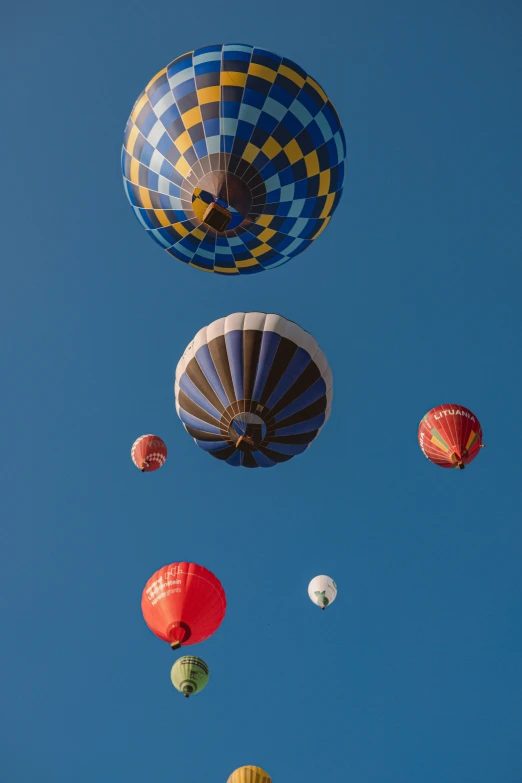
{"type": "Point", "coordinates": [413, 294]}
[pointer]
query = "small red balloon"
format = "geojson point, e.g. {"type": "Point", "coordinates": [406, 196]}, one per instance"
{"type": "Point", "coordinates": [450, 436]}
{"type": "Point", "coordinates": [149, 453]}
{"type": "Point", "coordinates": [183, 604]}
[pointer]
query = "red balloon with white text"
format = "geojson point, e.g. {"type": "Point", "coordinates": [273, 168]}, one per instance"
{"type": "Point", "coordinates": [183, 604]}
{"type": "Point", "coordinates": [450, 436]}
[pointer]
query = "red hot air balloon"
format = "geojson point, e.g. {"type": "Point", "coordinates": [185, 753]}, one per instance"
{"type": "Point", "coordinates": [148, 453]}
{"type": "Point", "coordinates": [183, 603]}
{"type": "Point", "coordinates": [450, 436]}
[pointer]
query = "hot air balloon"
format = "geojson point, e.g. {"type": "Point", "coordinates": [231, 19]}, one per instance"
{"type": "Point", "coordinates": [148, 453]}
{"type": "Point", "coordinates": [189, 675]}
{"type": "Point", "coordinates": [450, 436]}
{"type": "Point", "coordinates": [253, 389]}
{"type": "Point", "coordinates": [183, 604]}
{"type": "Point", "coordinates": [233, 159]}
{"type": "Point", "coordinates": [322, 591]}
{"type": "Point", "coordinates": [249, 775]}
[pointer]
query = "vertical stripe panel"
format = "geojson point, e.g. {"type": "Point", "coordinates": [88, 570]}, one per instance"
{"type": "Point", "coordinates": [206, 364]}
{"type": "Point", "coordinates": [234, 343]}
{"type": "Point", "coordinates": [269, 345]}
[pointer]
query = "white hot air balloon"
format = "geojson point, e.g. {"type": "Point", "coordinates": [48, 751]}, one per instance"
{"type": "Point", "coordinates": [322, 591]}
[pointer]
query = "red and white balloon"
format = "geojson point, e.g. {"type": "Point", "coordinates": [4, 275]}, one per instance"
{"type": "Point", "coordinates": [149, 453]}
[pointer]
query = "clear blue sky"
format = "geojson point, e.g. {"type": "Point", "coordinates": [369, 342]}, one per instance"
{"type": "Point", "coordinates": [413, 292]}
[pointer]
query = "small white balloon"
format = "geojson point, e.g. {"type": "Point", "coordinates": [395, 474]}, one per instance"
{"type": "Point", "coordinates": [322, 591]}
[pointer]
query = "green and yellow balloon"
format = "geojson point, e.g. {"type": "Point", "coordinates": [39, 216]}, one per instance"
{"type": "Point", "coordinates": [189, 675]}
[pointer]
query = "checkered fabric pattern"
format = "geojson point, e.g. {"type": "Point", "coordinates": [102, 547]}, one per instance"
{"type": "Point", "coordinates": [248, 130]}
{"type": "Point", "coordinates": [148, 452]}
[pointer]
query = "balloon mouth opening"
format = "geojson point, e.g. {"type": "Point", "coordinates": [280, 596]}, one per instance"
{"type": "Point", "coordinates": [247, 431]}
{"type": "Point", "coordinates": [221, 200]}
{"type": "Point", "coordinates": [178, 634]}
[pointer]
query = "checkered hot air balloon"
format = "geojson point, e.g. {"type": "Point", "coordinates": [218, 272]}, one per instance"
{"type": "Point", "coordinates": [253, 389]}
{"type": "Point", "coordinates": [450, 436]}
{"type": "Point", "coordinates": [233, 159]}
{"type": "Point", "coordinates": [148, 453]}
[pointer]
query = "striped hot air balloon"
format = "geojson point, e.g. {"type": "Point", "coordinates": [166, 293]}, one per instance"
{"type": "Point", "coordinates": [450, 436]}
{"type": "Point", "coordinates": [253, 389]}
{"type": "Point", "coordinates": [233, 159]}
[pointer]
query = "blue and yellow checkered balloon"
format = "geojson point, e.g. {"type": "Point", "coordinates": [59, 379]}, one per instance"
{"type": "Point", "coordinates": [233, 159]}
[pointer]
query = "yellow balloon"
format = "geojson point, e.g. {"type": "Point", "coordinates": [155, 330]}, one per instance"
{"type": "Point", "coordinates": [249, 775]}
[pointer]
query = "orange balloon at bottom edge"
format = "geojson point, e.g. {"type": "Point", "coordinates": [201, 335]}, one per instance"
{"type": "Point", "coordinates": [249, 775]}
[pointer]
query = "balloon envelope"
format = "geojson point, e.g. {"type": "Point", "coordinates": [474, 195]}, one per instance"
{"type": "Point", "coordinates": [148, 453]}
{"type": "Point", "coordinates": [322, 591]}
{"type": "Point", "coordinates": [253, 389]}
{"type": "Point", "coordinates": [183, 603]}
{"type": "Point", "coordinates": [189, 675]}
{"type": "Point", "coordinates": [249, 775]}
{"type": "Point", "coordinates": [233, 159]}
{"type": "Point", "coordinates": [450, 436]}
